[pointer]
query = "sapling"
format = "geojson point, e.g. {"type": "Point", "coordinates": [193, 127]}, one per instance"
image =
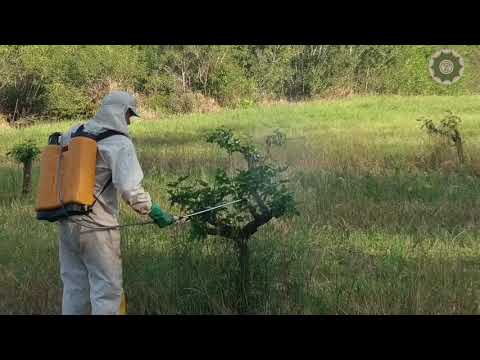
{"type": "Point", "coordinates": [25, 153]}
{"type": "Point", "coordinates": [276, 139]}
{"type": "Point", "coordinates": [261, 185]}
{"type": "Point", "coordinates": [449, 129]}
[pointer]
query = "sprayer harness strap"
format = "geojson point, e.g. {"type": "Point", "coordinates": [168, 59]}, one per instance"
{"type": "Point", "coordinates": [107, 133]}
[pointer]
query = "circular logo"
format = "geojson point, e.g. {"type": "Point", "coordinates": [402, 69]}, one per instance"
{"type": "Point", "coordinates": [446, 66]}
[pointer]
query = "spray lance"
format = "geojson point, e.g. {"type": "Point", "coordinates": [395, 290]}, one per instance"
{"type": "Point", "coordinates": [181, 219]}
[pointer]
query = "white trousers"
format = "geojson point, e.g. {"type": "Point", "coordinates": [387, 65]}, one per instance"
{"type": "Point", "coordinates": [91, 270]}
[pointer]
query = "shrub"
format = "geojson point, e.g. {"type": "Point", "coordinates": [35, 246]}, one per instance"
{"type": "Point", "coordinates": [64, 81]}
{"type": "Point", "coordinates": [262, 189]}
{"type": "Point", "coordinates": [67, 102]}
{"type": "Point", "coordinates": [25, 153]}
{"type": "Point", "coordinates": [230, 87]}
{"type": "Point", "coordinates": [24, 96]}
{"type": "Point", "coordinates": [449, 130]}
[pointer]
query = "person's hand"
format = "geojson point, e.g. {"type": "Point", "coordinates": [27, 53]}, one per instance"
{"type": "Point", "coordinates": [161, 218]}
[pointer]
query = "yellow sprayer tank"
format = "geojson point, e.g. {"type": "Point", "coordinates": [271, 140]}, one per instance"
{"type": "Point", "coordinates": [68, 174]}
{"type": "Point", "coordinates": [78, 178]}
{"type": "Point", "coordinates": [47, 197]}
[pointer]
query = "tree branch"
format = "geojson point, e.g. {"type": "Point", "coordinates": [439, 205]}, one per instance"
{"type": "Point", "coordinates": [261, 203]}
{"type": "Point", "coordinates": [224, 230]}
{"type": "Point", "coordinates": [253, 212]}
{"type": "Point", "coordinates": [252, 227]}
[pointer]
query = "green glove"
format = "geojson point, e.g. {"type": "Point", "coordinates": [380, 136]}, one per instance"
{"type": "Point", "coordinates": [161, 218]}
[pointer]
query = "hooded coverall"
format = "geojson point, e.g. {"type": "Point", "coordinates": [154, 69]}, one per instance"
{"type": "Point", "coordinates": [90, 260]}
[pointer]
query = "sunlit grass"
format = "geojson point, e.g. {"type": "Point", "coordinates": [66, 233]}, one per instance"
{"type": "Point", "coordinates": [382, 230]}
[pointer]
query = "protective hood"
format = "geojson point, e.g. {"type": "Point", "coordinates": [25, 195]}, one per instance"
{"type": "Point", "coordinates": [112, 113]}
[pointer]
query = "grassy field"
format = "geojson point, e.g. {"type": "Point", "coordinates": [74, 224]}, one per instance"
{"type": "Point", "coordinates": [388, 224]}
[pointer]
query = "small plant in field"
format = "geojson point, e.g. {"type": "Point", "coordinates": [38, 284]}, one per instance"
{"type": "Point", "coordinates": [25, 153]}
{"type": "Point", "coordinates": [276, 139]}
{"type": "Point", "coordinates": [448, 129]}
{"type": "Point", "coordinates": [262, 187]}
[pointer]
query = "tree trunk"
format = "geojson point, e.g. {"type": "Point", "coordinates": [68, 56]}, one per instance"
{"type": "Point", "coordinates": [244, 276]}
{"type": "Point", "coordinates": [184, 87]}
{"type": "Point", "coordinates": [459, 146]}
{"type": "Point", "coordinates": [27, 177]}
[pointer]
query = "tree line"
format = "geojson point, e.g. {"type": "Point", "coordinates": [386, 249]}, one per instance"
{"type": "Point", "coordinates": [67, 81]}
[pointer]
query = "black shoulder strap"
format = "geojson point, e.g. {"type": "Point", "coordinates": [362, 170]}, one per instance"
{"type": "Point", "coordinates": [80, 132]}
{"type": "Point", "coordinates": [108, 133]}
{"type": "Point", "coordinates": [109, 181]}
{"type": "Point", "coordinates": [107, 184]}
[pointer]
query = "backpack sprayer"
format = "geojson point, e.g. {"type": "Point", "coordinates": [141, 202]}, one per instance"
{"type": "Point", "coordinates": [67, 175]}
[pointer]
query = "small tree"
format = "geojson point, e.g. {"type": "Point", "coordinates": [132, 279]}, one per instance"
{"type": "Point", "coordinates": [449, 129]}
{"type": "Point", "coordinates": [25, 153]}
{"type": "Point", "coordinates": [260, 185]}
{"type": "Point", "coordinates": [276, 139]}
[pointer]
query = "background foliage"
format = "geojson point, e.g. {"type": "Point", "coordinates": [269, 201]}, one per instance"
{"type": "Point", "coordinates": [67, 82]}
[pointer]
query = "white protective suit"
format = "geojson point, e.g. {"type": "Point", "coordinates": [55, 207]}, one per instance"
{"type": "Point", "coordinates": [90, 260]}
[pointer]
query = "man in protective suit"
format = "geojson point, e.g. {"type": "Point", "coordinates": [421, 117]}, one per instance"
{"type": "Point", "coordinates": [90, 260]}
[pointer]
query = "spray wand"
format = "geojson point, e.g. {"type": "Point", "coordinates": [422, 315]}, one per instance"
{"type": "Point", "coordinates": [181, 219]}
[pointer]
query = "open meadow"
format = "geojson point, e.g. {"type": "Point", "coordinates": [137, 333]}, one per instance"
{"type": "Point", "coordinates": [388, 221]}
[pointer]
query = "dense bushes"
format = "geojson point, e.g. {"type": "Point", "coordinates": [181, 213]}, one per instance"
{"type": "Point", "coordinates": [63, 81]}
{"type": "Point", "coordinates": [69, 81]}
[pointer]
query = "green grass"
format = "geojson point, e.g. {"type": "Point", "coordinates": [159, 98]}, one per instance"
{"type": "Point", "coordinates": [385, 228]}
